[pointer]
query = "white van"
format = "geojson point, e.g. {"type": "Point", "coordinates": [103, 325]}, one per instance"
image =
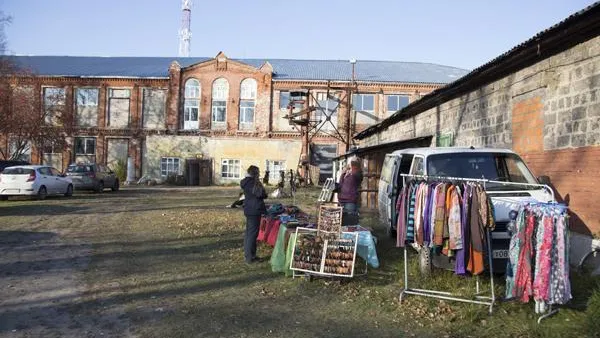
{"type": "Point", "coordinates": [512, 182]}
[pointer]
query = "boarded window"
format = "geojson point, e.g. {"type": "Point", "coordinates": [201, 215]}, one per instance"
{"type": "Point", "coordinates": [117, 151]}
{"type": "Point", "coordinates": [118, 107]}
{"type": "Point", "coordinates": [87, 107]}
{"type": "Point", "coordinates": [153, 108]}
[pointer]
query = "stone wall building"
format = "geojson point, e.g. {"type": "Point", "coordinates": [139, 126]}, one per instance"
{"type": "Point", "coordinates": [541, 99]}
{"type": "Point", "coordinates": [207, 119]}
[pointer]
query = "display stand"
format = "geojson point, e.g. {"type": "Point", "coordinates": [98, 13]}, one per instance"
{"type": "Point", "coordinates": [330, 218]}
{"type": "Point", "coordinates": [323, 254]}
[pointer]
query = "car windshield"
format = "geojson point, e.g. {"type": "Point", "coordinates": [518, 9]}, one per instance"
{"type": "Point", "coordinates": [79, 169]}
{"type": "Point", "coordinates": [17, 171]}
{"type": "Point", "coordinates": [492, 166]}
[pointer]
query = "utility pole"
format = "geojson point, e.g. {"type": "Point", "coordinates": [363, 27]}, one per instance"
{"type": "Point", "coordinates": [349, 106]}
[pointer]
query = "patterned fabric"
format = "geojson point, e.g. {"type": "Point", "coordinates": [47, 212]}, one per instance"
{"type": "Point", "coordinates": [410, 225]}
{"type": "Point", "coordinates": [538, 256]}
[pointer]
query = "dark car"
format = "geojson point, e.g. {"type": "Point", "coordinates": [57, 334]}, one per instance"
{"type": "Point", "coordinates": [92, 176]}
{"type": "Point", "coordinates": [6, 164]}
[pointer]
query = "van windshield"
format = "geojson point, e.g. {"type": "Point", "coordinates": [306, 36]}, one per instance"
{"type": "Point", "coordinates": [492, 166]}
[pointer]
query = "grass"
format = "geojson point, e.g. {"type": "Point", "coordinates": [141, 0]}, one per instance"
{"type": "Point", "coordinates": [169, 263]}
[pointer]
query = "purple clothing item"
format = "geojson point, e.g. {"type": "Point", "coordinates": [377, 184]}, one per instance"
{"type": "Point", "coordinates": [427, 214]}
{"type": "Point", "coordinates": [349, 184]}
{"type": "Point", "coordinates": [461, 263]}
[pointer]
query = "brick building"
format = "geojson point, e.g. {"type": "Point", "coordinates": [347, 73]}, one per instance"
{"type": "Point", "coordinates": [208, 118]}
{"type": "Point", "coordinates": [541, 99]}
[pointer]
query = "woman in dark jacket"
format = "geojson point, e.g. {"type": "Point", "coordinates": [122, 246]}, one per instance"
{"type": "Point", "coordinates": [254, 207]}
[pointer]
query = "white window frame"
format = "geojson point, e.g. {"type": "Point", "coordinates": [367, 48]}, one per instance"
{"type": "Point", "coordinates": [248, 89]}
{"type": "Point", "coordinates": [271, 166]}
{"type": "Point", "coordinates": [191, 100]}
{"type": "Point", "coordinates": [233, 167]}
{"type": "Point", "coordinates": [396, 97]}
{"type": "Point", "coordinates": [327, 103]}
{"type": "Point", "coordinates": [359, 106]}
{"type": "Point", "coordinates": [85, 146]}
{"type": "Point", "coordinates": [171, 165]}
{"type": "Point", "coordinates": [220, 95]}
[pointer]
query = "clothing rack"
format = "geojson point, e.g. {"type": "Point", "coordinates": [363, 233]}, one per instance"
{"type": "Point", "coordinates": [488, 300]}
{"type": "Point", "coordinates": [482, 180]}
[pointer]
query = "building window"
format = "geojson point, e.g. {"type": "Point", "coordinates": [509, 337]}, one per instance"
{"type": "Point", "coordinates": [396, 102]}
{"type": "Point", "coordinates": [297, 97]}
{"type": "Point", "coordinates": [247, 103]}
{"type": "Point", "coordinates": [230, 168]}
{"type": "Point", "coordinates": [327, 107]}
{"type": "Point", "coordinates": [220, 93]}
{"type": "Point", "coordinates": [85, 146]}
{"type": "Point", "coordinates": [169, 166]}
{"type": "Point", "coordinates": [87, 107]}
{"type": "Point", "coordinates": [363, 102]}
{"type": "Point", "coordinates": [153, 108]}
{"type": "Point", "coordinates": [118, 107]}
{"type": "Point", "coordinates": [54, 104]}
{"type": "Point", "coordinates": [191, 104]}
{"type": "Point", "coordinates": [274, 167]}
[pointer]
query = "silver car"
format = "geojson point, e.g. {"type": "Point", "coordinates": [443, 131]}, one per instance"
{"type": "Point", "coordinates": [92, 176]}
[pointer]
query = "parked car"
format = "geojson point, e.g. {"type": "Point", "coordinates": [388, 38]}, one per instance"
{"type": "Point", "coordinates": [6, 164]}
{"type": "Point", "coordinates": [92, 176]}
{"type": "Point", "coordinates": [492, 164]}
{"type": "Point", "coordinates": [34, 180]}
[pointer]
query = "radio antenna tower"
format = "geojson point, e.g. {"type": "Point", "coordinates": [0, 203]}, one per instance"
{"type": "Point", "coordinates": [185, 34]}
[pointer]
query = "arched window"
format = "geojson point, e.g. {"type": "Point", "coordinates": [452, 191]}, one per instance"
{"type": "Point", "coordinates": [191, 104]}
{"type": "Point", "coordinates": [247, 103]}
{"type": "Point", "coordinates": [220, 93]}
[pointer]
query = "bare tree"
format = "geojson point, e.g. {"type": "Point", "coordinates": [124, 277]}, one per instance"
{"type": "Point", "coordinates": [25, 122]}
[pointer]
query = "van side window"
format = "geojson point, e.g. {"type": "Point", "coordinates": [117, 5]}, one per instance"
{"type": "Point", "coordinates": [405, 163]}
{"type": "Point", "coordinates": [418, 168]}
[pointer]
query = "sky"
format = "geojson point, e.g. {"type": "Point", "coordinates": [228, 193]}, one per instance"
{"type": "Point", "coordinates": [460, 33]}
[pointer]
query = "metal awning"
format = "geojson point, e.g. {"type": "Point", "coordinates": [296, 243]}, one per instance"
{"type": "Point", "coordinates": [423, 141]}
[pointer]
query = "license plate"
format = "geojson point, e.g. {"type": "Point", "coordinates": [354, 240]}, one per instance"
{"type": "Point", "coordinates": [500, 254]}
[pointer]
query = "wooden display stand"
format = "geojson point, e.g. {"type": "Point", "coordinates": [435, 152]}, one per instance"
{"type": "Point", "coordinates": [321, 253]}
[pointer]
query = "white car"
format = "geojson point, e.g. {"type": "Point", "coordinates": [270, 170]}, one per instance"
{"type": "Point", "coordinates": [34, 180]}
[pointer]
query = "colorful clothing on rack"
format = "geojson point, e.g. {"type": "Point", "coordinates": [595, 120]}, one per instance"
{"type": "Point", "coordinates": [538, 255]}
{"type": "Point", "coordinates": [447, 218]}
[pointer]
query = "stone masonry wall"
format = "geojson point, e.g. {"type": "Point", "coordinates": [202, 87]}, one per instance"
{"type": "Point", "coordinates": [549, 113]}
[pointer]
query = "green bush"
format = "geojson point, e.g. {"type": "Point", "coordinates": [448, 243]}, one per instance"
{"type": "Point", "coordinates": [592, 314]}
{"type": "Point", "coordinates": [120, 169]}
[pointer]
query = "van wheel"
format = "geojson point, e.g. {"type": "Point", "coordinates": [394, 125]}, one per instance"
{"type": "Point", "coordinates": [425, 261]}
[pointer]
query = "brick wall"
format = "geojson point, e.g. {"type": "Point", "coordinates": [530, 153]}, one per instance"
{"type": "Point", "coordinates": [549, 113]}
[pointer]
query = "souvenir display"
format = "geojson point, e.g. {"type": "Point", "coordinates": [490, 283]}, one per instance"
{"type": "Point", "coordinates": [330, 218]}
{"type": "Point", "coordinates": [324, 254]}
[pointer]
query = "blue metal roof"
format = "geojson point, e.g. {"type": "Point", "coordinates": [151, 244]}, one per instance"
{"type": "Point", "coordinates": [283, 69]}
